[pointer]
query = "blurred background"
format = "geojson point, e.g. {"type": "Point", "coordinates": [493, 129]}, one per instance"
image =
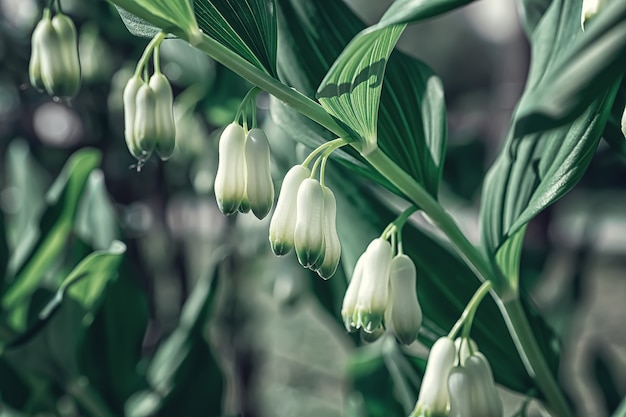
{"type": "Point", "coordinates": [274, 328]}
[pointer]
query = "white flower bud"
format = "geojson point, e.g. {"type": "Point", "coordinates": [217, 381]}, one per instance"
{"type": "Point", "coordinates": [308, 237]}
{"type": "Point", "coordinates": [624, 122]}
{"type": "Point", "coordinates": [348, 308]}
{"type": "Point", "coordinates": [259, 185]}
{"type": "Point", "coordinates": [332, 253]}
{"type": "Point", "coordinates": [230, 180]}
{"type": "Point", "coordinates": [34, 65]}
{"type": "Point", "coordinates": [58, 56]}
{"type": "Point", "coordinates": [130, 110]}
{"type": "Point", "coordinates": [166, 130]}
{"type": "Point", "coordinates": [589, 10]}
{"type": "Point", "coordinates": [283, 224]}
{"type": "Point", "coordinates": [472, 390]}
{"type": "Point", "coordinates": [433, 399]}
{"type": "Point", "coordinates": [145, 125]}
{"type": "Point", "coordinates": [374, 291]}
{"type": "Point", "coordinates": [405, 312]}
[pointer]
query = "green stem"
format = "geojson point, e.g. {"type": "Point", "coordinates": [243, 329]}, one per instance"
{"type": "Point", "coordinates": [535, 362]}
{"type": "Point", "coordinates": [147, 52]}
{"type": "Point", "coordinates": [467, 317]}
{"type": "Point", "coordinates": [532, 356]}
{"type": "Point", "coordinates": [88, 398]}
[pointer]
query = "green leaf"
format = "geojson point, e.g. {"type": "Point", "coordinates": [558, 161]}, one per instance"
{"type": "Point", "coordinates": [4, 248]}
{"type": "Point", "coordinates": [184, 376]}
{"type": "Point", "coordinates": [578, 67]}
{"type": "Point", "coordinates": [50, 346]}
{"type": "Point", "coordinates": [175, 17]}
{"type": "Point", "coordinates": [32, 257]}
{"type": "Point", "coordinates": [96, 222]}
{"type": "Point", "coordinates": [509, 255]}
{"type": "Point", "coordinates": [534, 170]}
{"type": "Point", "coordinates": [412, 118]}
{"type": "Point", "coordinates": [247, 27]}
{"type": "Point", "coordinates": [405, 11]}
{"type": "Point", "coordinates": [531, 12]}
{"type": "Point", "coordinates": [352, 87]}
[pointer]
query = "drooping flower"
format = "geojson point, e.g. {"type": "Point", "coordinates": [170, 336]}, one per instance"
{"type": "Point", "coordinates": [145, 124]}
{"type": "Point", "coordinates": [589, 10]}
{"type": "Point", "coordinates": [259, 185]}
{"type": "Point", "coordinates": [374, 288]}
{"type": "Point", "coordinates": [230, 180]}
{"type": "Point", "coordinates": [472, 389]}
{"type": "Point", "coordinates": [130, 111]}
{"type": "Point", "coordinates": [164, 109]}
{"type": "Point", "coordinates": [624, 122]}
{"type": "Point", "coordinates": [283, 223]}
{"type": "Point", "coordinates": [348, 308]}
{"type": "Point", "coordinates": [332, 253]}
{"type": "Point", "coordinates": [309, 234]}
{"type": "Point", "coordinates": [405, 313]}
{"type": "Point", "coordinates": [434, 398]}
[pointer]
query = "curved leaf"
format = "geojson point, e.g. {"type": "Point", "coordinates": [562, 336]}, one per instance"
{"type": "Point", "coordinates": [30, 259]}
{"type": "Point", "coordinates": [175, 17]}
{"type": "Point", "coordinates": [579, 67]}
{"type": "Point", "coordinates": [405, 11]}
{"type": "Point", "coordinates": [412, 118]}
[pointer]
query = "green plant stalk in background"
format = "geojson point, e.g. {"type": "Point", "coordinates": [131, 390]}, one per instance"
{"type": "Point", "coordinates": [506, 296]}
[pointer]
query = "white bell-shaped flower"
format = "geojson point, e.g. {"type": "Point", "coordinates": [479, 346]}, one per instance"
{"type": "Point", "coordinates": [259, 185]}
{"type": "Point", "coordinates": [130, 109]}
{"type": "Point", "coordinates": [332, 252]}
{"type": "Point", "coordinates": [230, 181]}
{"type": "Point", "coordinates": [348, 308]}
{"type": "Point", "coordinates": [433, 399]}
{"type": "Point", "coordinates": [589, 10]}
{"type": "Point", "coordinates": [283, 224]}
{"type": "Point", "coordinates": [472, 389]}
{"type": "Point", "coordinates": [166, 129]}
{"type": "Point", "coordinates": [374, 289]}
{"type": "Point", "coordinates": [145, 129]}
{"type": "Point", "coordinates": [308, 237]}
{"type": "Point", "coordinates": [405, 313]}
{"type": "Point", "coordinates": [624, 122]}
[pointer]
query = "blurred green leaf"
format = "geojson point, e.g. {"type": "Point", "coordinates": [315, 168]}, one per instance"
{"type": "Point", "coordinates": [184, 376]}
{"type": "Point", "coordinates": [621, 410]}
{"type": "Point", "coordinates": [578, 68]}
{"type": "Point", "coordinates": [136, 25]}
{"type": "Point", "coordinates": [50, 346]}
{"type": "Point", "coordinates": [531, 12]}
{"type": "Point", "coordinates": [31, 258]}
{"type": "Point", "coordinates": [247, 27]}
{"type": "Point", "coordinates": [509, 255]}
{"type": "Point", "coordinates": [96, 221]}
{"type": "Point", "coordinates": [602, 370]}
{"type": "Point", "coordinates": [14, 391]}
{"type": "Point", "coordinates": [406, 11]}
{"type": "Point", "coordinates": [110, 352]}
{"type": "Point", "coordinates": [4, 248]}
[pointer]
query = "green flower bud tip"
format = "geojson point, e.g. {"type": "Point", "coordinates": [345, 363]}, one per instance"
{"type": "Point", "coordinates": [308, 235]}
{"type": "Point", "coordinates": [371, 337]}
{"type": "Point", "coordinates": [374, 290]}
{"type": "Point", "coordinates": [58, 53]}
{"type": "Point", "coordinates": [332, 253]}
{"type": "Point", "coordinates": [145, 125]}
{"type": "Point", "coordinates": [130, 110]}
{"type": "Point", "coordinates": [259, 185]}
{"type": "Point", "coordinates": [283, 223]}
{"type": "Point", "coordinates": [472, 390]}
{"type": "Point", "coordinates": [405, 313]}
{"type": "Point", "coordinates": [348, 308]}
{"type": "Point", "coordinates": [166, 130]}
{"type": "Point", "coordinates": [34, 65]}
{"type": "Point", "coordinates": [434, 398]}
{"type": "Point", "coordinates": [230, 180]}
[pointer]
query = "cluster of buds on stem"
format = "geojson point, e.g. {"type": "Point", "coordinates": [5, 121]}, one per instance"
{"type": "Point", "coordinates": [458, 382]}
{"type": "Point", "coordinates": [382, 291]}
{"type": "Point", "coordinates": [306, 215]}
{"type": "Point", "coordinates": [148, 112]}
{"type": "Point", "coordinates": [244, 181]}
{"type": "Point", "coordinates": [54, 65]}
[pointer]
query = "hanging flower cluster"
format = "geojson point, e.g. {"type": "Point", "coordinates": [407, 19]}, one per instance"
{"type": "Point", "coordinates": [458, 382]}
{"type": "Point", "coordinates": [306, 215]}
{"type": "Point", "coordinates": [54, 65]}
{"type": "Point", "coordinates": [382, 291]}
{"type": "Point", "coordinates": [148, 110]}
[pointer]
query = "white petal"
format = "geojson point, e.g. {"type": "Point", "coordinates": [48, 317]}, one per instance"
{"type": "Point", "coordinates": [309, 236]}
{"type": "Point", "coordinates": [332, 251]}
{"type": "Point", "coordinates": [405, 311]}
{"type": "Point", "coordinates": [283, 224]}
{"type": "Point", "coordinates": [348, 308]}
{"type": "Point", "coordinates": [230, 181]}
{"type": "Point", "coordinates": [374, 291]}
{"type": "Point", "coordinates": [433, 396]}
{"type": "Point", "coordinates": [259, 185]}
